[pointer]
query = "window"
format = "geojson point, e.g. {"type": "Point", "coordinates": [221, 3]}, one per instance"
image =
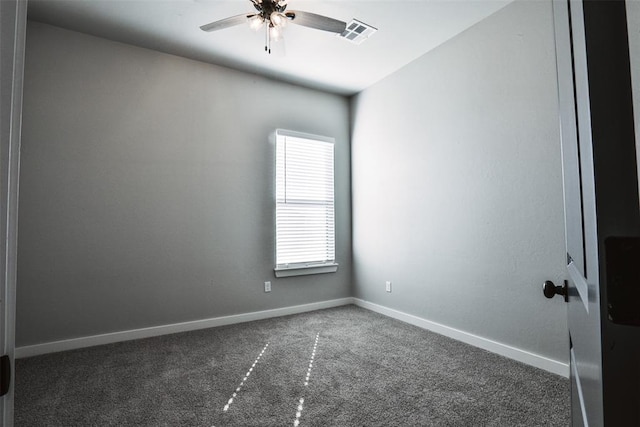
{"type": "Point", "coordinates": [305, 223]}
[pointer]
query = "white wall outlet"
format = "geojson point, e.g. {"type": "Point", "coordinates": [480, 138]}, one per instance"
{"type": "Point", "coordinates": [388, 285]}
{"type": "Point", "coordinates": [267, 286]}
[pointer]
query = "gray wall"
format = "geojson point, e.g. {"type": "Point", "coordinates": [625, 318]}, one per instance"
{"type": "Point", "coordinates": [457, 186]}
{"type": "Point", "coordinates": [146, 189]}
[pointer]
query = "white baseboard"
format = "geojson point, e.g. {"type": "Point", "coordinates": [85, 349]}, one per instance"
{"type": "Point", "coordinates": [90, 341]}
{"type": "Point", "coordinates": [536, 360]}
{"type": "Point", "coordinates": [514, 353]}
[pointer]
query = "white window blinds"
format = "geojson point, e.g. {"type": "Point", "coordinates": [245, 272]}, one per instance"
{"type": "Point", "coordinates": [305, 230]}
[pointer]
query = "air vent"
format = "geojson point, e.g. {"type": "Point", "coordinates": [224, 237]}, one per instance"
{"type": "Point", "coordinates": [357, 31]}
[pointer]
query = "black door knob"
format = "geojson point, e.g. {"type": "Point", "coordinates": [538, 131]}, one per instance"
{"type": "Point", "coordinates": [549, 289]}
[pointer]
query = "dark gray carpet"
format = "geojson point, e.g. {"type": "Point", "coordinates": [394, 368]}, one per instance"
{"type": "Point", "coordinates": [367, 370]}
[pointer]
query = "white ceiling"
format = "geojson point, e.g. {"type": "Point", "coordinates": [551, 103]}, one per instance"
{"type": "Point", "coordinates": [406, 31]}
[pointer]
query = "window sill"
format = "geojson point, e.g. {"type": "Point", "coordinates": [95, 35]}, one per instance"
{"type": "Point", "coordinates": [305, 270]}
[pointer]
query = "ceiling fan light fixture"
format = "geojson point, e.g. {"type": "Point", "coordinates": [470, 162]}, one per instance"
{"type": "Point", "coordinates": [278, 19]}
{"type": "Point", "coordinates": [275, 33]}
{"type": "Point", "coordinates": [256, 22]}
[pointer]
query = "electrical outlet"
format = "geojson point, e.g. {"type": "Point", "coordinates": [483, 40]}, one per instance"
{"type": "Point", "coordinates": [388, 285]}
{"type": "Point", "coordinates": [267, 286]}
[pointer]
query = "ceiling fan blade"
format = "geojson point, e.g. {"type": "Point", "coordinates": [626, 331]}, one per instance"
{"type": "Point", "coordinates": [226, 23]}
{"type": "Point", "coordinates": [316, 21]}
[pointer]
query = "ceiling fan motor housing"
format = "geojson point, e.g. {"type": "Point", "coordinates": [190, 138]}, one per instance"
{"type": "Point", "coordinates": [271, 10]}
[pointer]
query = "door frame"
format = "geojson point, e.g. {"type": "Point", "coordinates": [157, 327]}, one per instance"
{"type": "Point", "coordinates": [617, 200]}
{"type": "Point", "coordinates": [13, 25]}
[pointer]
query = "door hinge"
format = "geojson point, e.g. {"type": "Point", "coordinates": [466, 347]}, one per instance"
{"type": "Point", "coordinates": [5, 374]}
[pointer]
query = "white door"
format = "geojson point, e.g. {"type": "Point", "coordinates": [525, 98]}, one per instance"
{"type": "Point", "coordinates": [602, 212]}
{"type": "Point", "coordinates": [13, 14]}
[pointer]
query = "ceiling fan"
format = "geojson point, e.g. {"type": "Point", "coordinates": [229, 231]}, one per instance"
{"type": "Point", "coordinates": [273, 16]}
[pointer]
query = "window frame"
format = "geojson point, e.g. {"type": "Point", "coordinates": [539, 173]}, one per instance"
{"type": "Point", "coordinates": [301, 268]}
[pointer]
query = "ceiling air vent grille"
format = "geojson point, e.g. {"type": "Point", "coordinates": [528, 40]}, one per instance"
{"type": "Point", "coordinates": [357, 31]}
